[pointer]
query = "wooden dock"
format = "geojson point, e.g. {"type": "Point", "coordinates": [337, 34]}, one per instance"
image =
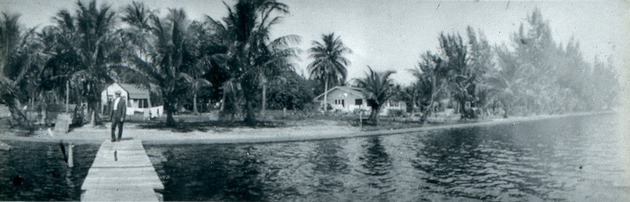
{"type": "Point", "coordinates": [121, 171]}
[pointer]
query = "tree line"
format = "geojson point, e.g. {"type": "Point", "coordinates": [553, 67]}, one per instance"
{"type": "Point", "coordinates": [235, 62]}
{"type": "Point", "coordinates": [532, 74]}
{"type": "Point", "coordinates": [174, 57]}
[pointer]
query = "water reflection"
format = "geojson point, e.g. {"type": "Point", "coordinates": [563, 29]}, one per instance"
{"type": "Point", "coordinates": [478, 164]}
{"type": "Point", "coordinates": [209, 173]}
{"type": "Point", "coordinates": [375, 170]}
{"type": "Point", "coordinates": [44, 173]}
{"type": "Point", "coordinates": [328, 171]}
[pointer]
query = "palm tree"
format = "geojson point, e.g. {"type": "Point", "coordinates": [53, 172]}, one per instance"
{"type": "Point", "coordinates": [162, 65]}
{"type": "Point", "coordinates": [276, 58]}
{"type": "Point", "coordinates": [504, 84]}
{"type": "Point", "coordinates": [377, 88]}
{"type": "Point", "coordinates": [85, 47]}
{"type": "Point", "coordinates": [197, 85]}
{"type": "Point", "coordinates": [251, 53]}
{"type": "Point", "coordinates": [169, 54]}
{"type": "Point", "coordinates": [431, 75]}
{"type": "Point", "coordinates": [329, 62]}
{"type": "Point", "coordinates": [18, 65]}
{"type": "Point", "coordinates": [410, 95]}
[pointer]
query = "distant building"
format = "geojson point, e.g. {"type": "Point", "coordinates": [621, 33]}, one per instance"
{"type": "Point", "coordinates": [348, 99]}
{"type": "Point", "coordinates": [393, 105]}
{"type": "Point", "coordinates": [343, 98]}
{"type": "Point", "coordinates": [138, 99]}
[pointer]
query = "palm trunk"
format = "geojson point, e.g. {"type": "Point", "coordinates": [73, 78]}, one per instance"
{"type": "Point", "coordinates": [195, 104]}
{"type": "Point", "coordinates": [222, 102]}
{"type": "Point", "coordinates": [168, 107]}
{"type": "Point", "coordinates": [170, 121]}
{"type": "Point", "coordinates": [67, 95]}
{"type": "Point", "coordinates": [462, 110]}
{"type": "Point", "coordinates": [505, 111]}
{"type": "Point", "coordinates": [16, 114]}
{"type": "Point", "coordinates": [429, 109]}
{"type": "Point", "coordinates": [413, 106]}
{"type": "Point", "coordinates": [264, 96]}
{"type": "Point", "coordinates": [249, 93]}
{"type": "Point", "coordinates": [505, 108]}
{"type": "Point", "coordinates": [326, 95]}
{"type": "Point", "coordinates": [374, 115]}
{"type": "Point", "coordinates": [250, 118]}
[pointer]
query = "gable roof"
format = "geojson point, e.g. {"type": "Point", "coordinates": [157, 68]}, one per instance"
{"type": "Point", "coordinates": [135, 92]}
{"type": "Point", "coordinates": [346, 89]}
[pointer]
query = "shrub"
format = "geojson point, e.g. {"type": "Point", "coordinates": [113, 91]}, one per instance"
{"type": "Point", "coordinates": [396, 112]}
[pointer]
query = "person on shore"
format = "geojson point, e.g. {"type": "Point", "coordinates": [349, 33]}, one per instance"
{"type": "Point", "coordinates": [119, 110]}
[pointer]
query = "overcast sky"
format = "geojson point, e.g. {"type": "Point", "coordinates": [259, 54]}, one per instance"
{"type": "Point", "coordinates": [391, 35]}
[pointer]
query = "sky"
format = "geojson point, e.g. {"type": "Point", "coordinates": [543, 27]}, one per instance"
{"type": "Point", "coordinates": [391, 35]}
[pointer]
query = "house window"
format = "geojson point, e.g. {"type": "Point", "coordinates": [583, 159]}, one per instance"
{"type": "Point", "coordinates": [343, 103]}
{"type": "Point", "coordinates": [141, 103]}
{"type": "Point", "coordinates": [358, 102]}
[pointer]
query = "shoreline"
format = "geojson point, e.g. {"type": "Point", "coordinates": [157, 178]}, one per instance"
{"type": "Point", "coordinates": [324, 131]}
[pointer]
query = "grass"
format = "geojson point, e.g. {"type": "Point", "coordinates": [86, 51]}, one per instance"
{"type": "Point", "coordinates": [277, 118]}
{"type": "Point", "coordinates": [203, 126]}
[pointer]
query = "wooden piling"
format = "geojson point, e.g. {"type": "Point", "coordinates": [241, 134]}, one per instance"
{"type": "Point", "coordinates": [70, 155]}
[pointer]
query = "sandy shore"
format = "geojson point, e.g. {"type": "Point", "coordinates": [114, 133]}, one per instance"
{"type": "Point", "coordinates": [315, 131]}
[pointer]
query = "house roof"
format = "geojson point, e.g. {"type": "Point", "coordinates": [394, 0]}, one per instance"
{"type": "Point", "coordinates": [135, 92]}
{"type": "Point", "coordinates": [342, 88]}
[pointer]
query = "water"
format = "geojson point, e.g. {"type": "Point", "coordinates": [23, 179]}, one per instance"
{"type": "Point", "coordinates": [45, 174]}
{"type": "Point", "coordinates": [569, 159]}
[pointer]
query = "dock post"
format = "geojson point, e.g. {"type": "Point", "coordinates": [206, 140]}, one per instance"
{"type": "Point", "coordinates": [70, 155]}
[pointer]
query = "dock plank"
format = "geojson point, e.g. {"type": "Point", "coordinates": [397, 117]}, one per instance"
{"type": "Point", "coordinates": [121, 171]}
{"type": "Point", "coordinates": [113, 178]}
{"type": "Point", "coordinates": [122, 158]}
{"type": "Point", "coordinates": [120, 195]}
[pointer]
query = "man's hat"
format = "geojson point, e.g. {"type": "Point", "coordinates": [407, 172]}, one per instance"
{"type": "Point", "coordinates": [118, 92]}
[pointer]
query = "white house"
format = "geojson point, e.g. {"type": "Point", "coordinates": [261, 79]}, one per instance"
{"type": "Point", "coordinates": [138, 99]}
{"type": "Point", "coordinates": [393, 105]}
{"type": "Point", "coordinates": [343, 98]}
{"type": "Point", "coordinates": [348, 99]}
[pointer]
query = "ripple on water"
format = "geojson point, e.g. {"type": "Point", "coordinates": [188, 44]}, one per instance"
{"type": "Point", "coordinates": [568, 159]}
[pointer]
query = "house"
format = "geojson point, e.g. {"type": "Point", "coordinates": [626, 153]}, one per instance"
{"type": "Point", "coordinates": [138, 99]}
{"type": "Point", "coordinates": [393, 105]}
{"type": "Point", "coordinates": [343, 98]}
{"type": "Point", "coordinates": [348, 99]}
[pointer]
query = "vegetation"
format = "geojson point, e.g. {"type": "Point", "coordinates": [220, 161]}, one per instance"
{"type": "Point", "coordinates": [18, 61]}
{"type": "Point", "coordinates": [293, 92]}
{"type": "Point", "coordinates": [235, 61]}
{"type": "Point", "coordinates": [378, 88]}
{"type": "Point", "coordinates": [90, 48]}
{"type": "Point", "coordinates": [164, 55]}
{"type": "Point", "coordinates": [329, 62]}
{"type": "Point", "coordinates": [251, 55]}
{"type": "Point", "coordinates": [533, 74]}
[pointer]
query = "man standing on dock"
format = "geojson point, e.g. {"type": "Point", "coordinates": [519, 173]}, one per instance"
{"type": "Point", "coordinates": [119, 110]}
